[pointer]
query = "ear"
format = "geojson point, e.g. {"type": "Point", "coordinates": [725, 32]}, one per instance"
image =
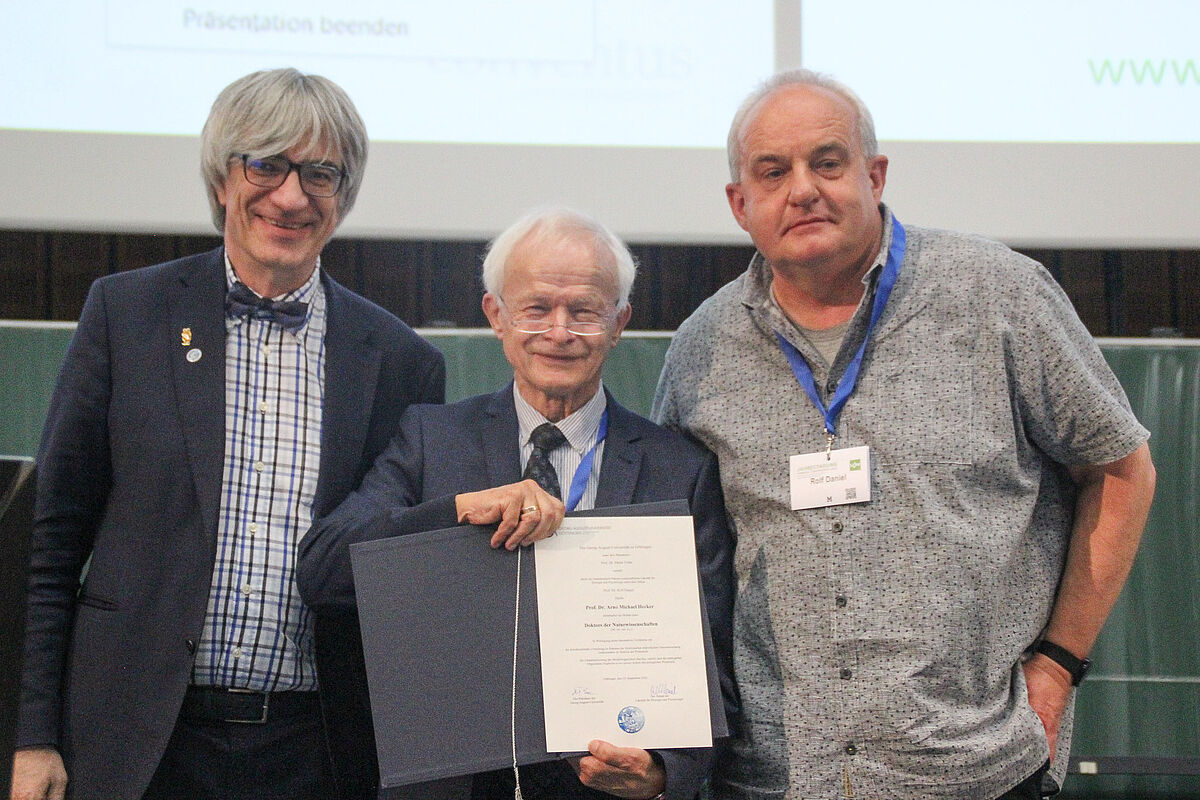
{"type": "Point", "coordinates": [491, 309]}
{"type": "Point", "coordinates": [621, 321]}
{"type": "Point", "coordinates": [737, 203]}
{"type": "Point", "coordinates": [877, 172]}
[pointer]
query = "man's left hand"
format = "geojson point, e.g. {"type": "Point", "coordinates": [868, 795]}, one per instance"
{"type": "Point", "coordinates": [523, 512]}
{"type": "Point", "coordinates": [621, 771]}
{"type": "Point", "coordinates": [1049, 687]}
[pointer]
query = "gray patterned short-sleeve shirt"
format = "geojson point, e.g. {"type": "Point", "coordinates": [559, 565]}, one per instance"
{"type": "Point", "coordinates": [877, 644]}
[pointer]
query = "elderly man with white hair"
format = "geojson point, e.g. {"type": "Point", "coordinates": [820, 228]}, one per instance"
{"type": "Point", "coordinates": [557, 296]}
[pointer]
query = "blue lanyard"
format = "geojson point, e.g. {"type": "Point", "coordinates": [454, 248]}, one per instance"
{"type": "Point", "coordinates": [849, 380]}
{"type": "Point", "coordinates": [584, 472]}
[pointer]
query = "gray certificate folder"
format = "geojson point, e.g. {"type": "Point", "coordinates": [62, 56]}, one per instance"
{"type": "Point", "coordinates": [437, 612]}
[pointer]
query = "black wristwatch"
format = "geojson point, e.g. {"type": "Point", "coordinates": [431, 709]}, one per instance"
{"type": "Point", "coordinates": [1078, 667]}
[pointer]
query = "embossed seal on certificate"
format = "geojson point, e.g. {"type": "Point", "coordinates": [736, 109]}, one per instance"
{"type": "Point", "coordinates": [631, 719]}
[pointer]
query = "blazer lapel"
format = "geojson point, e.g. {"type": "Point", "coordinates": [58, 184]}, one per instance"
{"type": "Point", "coordinates": [197, 316]}
{"type": "Point", "coordinates": [622, 462]}
{"type": "Point", "coordinates": [498, 434]}
{"type": "Point", "coordinates": [352, 359]}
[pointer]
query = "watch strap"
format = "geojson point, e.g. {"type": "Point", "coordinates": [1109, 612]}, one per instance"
{"type": "Point", "coordinates": [1077, 667]}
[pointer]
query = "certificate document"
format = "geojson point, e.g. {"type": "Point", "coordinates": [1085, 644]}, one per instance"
{"type": "Point", "coordinates": [620, 634]}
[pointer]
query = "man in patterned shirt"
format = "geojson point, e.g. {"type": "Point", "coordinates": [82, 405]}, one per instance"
{"type": "Point", "coordinates": [937, 484]}
{"type": "Point", "coordinates": [207, 410]}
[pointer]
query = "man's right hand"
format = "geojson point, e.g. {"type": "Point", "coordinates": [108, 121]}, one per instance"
{"type": "Point", "coordinates": [38, 774]}
{"type": "Point", "coordinates": [523, 512]}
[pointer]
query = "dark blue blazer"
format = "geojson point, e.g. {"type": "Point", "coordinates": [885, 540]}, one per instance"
{"type": "Point", "coordinates": [442, 451]}
{"type": "Point", "coordinates": [129, 475]}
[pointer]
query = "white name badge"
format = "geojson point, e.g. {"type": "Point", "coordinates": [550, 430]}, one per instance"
{"type": "Point", "coordinates": [831, 479]}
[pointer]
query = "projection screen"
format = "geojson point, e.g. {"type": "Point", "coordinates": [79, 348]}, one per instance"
{"type": "Point", "coordinates": [1054, 123]}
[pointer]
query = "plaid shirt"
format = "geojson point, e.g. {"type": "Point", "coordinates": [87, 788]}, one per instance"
{"type": "Point", "coordinates": [257, 633]}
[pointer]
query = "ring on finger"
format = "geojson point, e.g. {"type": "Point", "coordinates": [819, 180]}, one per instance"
{"type": "Point", "coordinates": [529, 510]}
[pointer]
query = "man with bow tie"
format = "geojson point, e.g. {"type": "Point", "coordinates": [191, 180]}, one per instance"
{"type": "Point", "coordinates": [208, 409]}
{"type": "Point", "coordinates": [554, 440]}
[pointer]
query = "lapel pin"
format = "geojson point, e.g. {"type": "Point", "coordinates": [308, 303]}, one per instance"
{"type": "Point", "coordinates": [194, 354]}
{"type": "Point", "coordinates": [185, 336]}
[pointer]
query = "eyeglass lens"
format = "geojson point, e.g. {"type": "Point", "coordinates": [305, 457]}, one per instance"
{"type": "Point", "coordinates": [318, 180]}
{"type": "Point", "coordinates": [527, 325]}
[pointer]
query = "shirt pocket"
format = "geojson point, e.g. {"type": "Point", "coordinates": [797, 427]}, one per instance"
{"type": "Point", "coordinates": [923, 414]}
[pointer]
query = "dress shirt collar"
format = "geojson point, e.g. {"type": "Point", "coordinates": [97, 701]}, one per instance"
{"type": "Point", "coordinates": [758, 292]}
{"type": "Point", "coordinates": [580, 427]}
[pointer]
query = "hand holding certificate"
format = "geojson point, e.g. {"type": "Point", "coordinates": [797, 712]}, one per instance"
{"type": "Point", "coordinates": [620, 634]}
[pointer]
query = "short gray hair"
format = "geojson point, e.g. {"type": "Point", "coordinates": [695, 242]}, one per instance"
{"type": "Point", "coordinates": [559, 224]}
{"type": "Point", "coordinates": [783, 80]}
{"type": "Point", "coordinates": [269, 112]}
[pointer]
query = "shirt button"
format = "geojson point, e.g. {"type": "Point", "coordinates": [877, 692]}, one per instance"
{"type": "Point", "coordinates": [191, 646]}
{"type": "Point", "coordinates": [259, 466]}
{"type": "Point", "coordinates": [266, 350]}
{"type": "Point", "coordinates": [840, 601]}
{"type": "Point", "coordinates": [253, 527]}
{"type": "Point", "coordinates": [837, 527]}
{"type": "Point", "coordinates": [847, 674]}
{"type": "Point", "coordinates": [247, 589]}
{"type": "Point", "coordinates": [851, 749]}
{"type": "Point", "coordinates": [237, 652]}
{"type": "Point", "coordinates": [263, 406]}
{"type": "Point", "coordinates": [831, 387]}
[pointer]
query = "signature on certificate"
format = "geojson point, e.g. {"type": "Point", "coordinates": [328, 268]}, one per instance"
{"type": "Point", "coordinates": [663, 690]}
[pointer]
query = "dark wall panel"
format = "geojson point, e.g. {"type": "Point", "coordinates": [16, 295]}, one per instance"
{"type": "Point", "coordinates": [340, 259]}
{"type": "Point", "coordinates": [1082, 278]}
{"type": "Point", "coordinates": [1186, 291]}
{"type": "Point", "coordinates": [24, 276]}
{"type": "Point", "coordinates": [1146, 290]}
{"type": "Point", "coordinates": [131, 252]}
{"type": "Point", "coordinates": [428, 283]}
{"type": "Point", "coordinates": [391, 276]}
{"type": "Point", "coordinates": [76, 259]}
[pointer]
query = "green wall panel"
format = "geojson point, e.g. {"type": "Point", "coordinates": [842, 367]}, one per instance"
{"type": "Point", "coordinates": [29, 357]}
{"type": "Point", "coordinates": [1142, 697]}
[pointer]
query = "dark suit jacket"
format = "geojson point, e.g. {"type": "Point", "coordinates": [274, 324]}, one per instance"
{"type": "Point", "coordinates": [129, 474]}
{"type": "Point", "coordinates": [442, 451]}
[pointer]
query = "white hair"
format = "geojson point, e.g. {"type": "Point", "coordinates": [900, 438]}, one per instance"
{"type": "Point", "coordinates": [557, 224]}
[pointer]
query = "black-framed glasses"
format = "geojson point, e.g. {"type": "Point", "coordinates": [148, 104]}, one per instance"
{"type": "Point", "coordinates": [316, 179]}
{"type": "Point", "coordinates": [542, 323]}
